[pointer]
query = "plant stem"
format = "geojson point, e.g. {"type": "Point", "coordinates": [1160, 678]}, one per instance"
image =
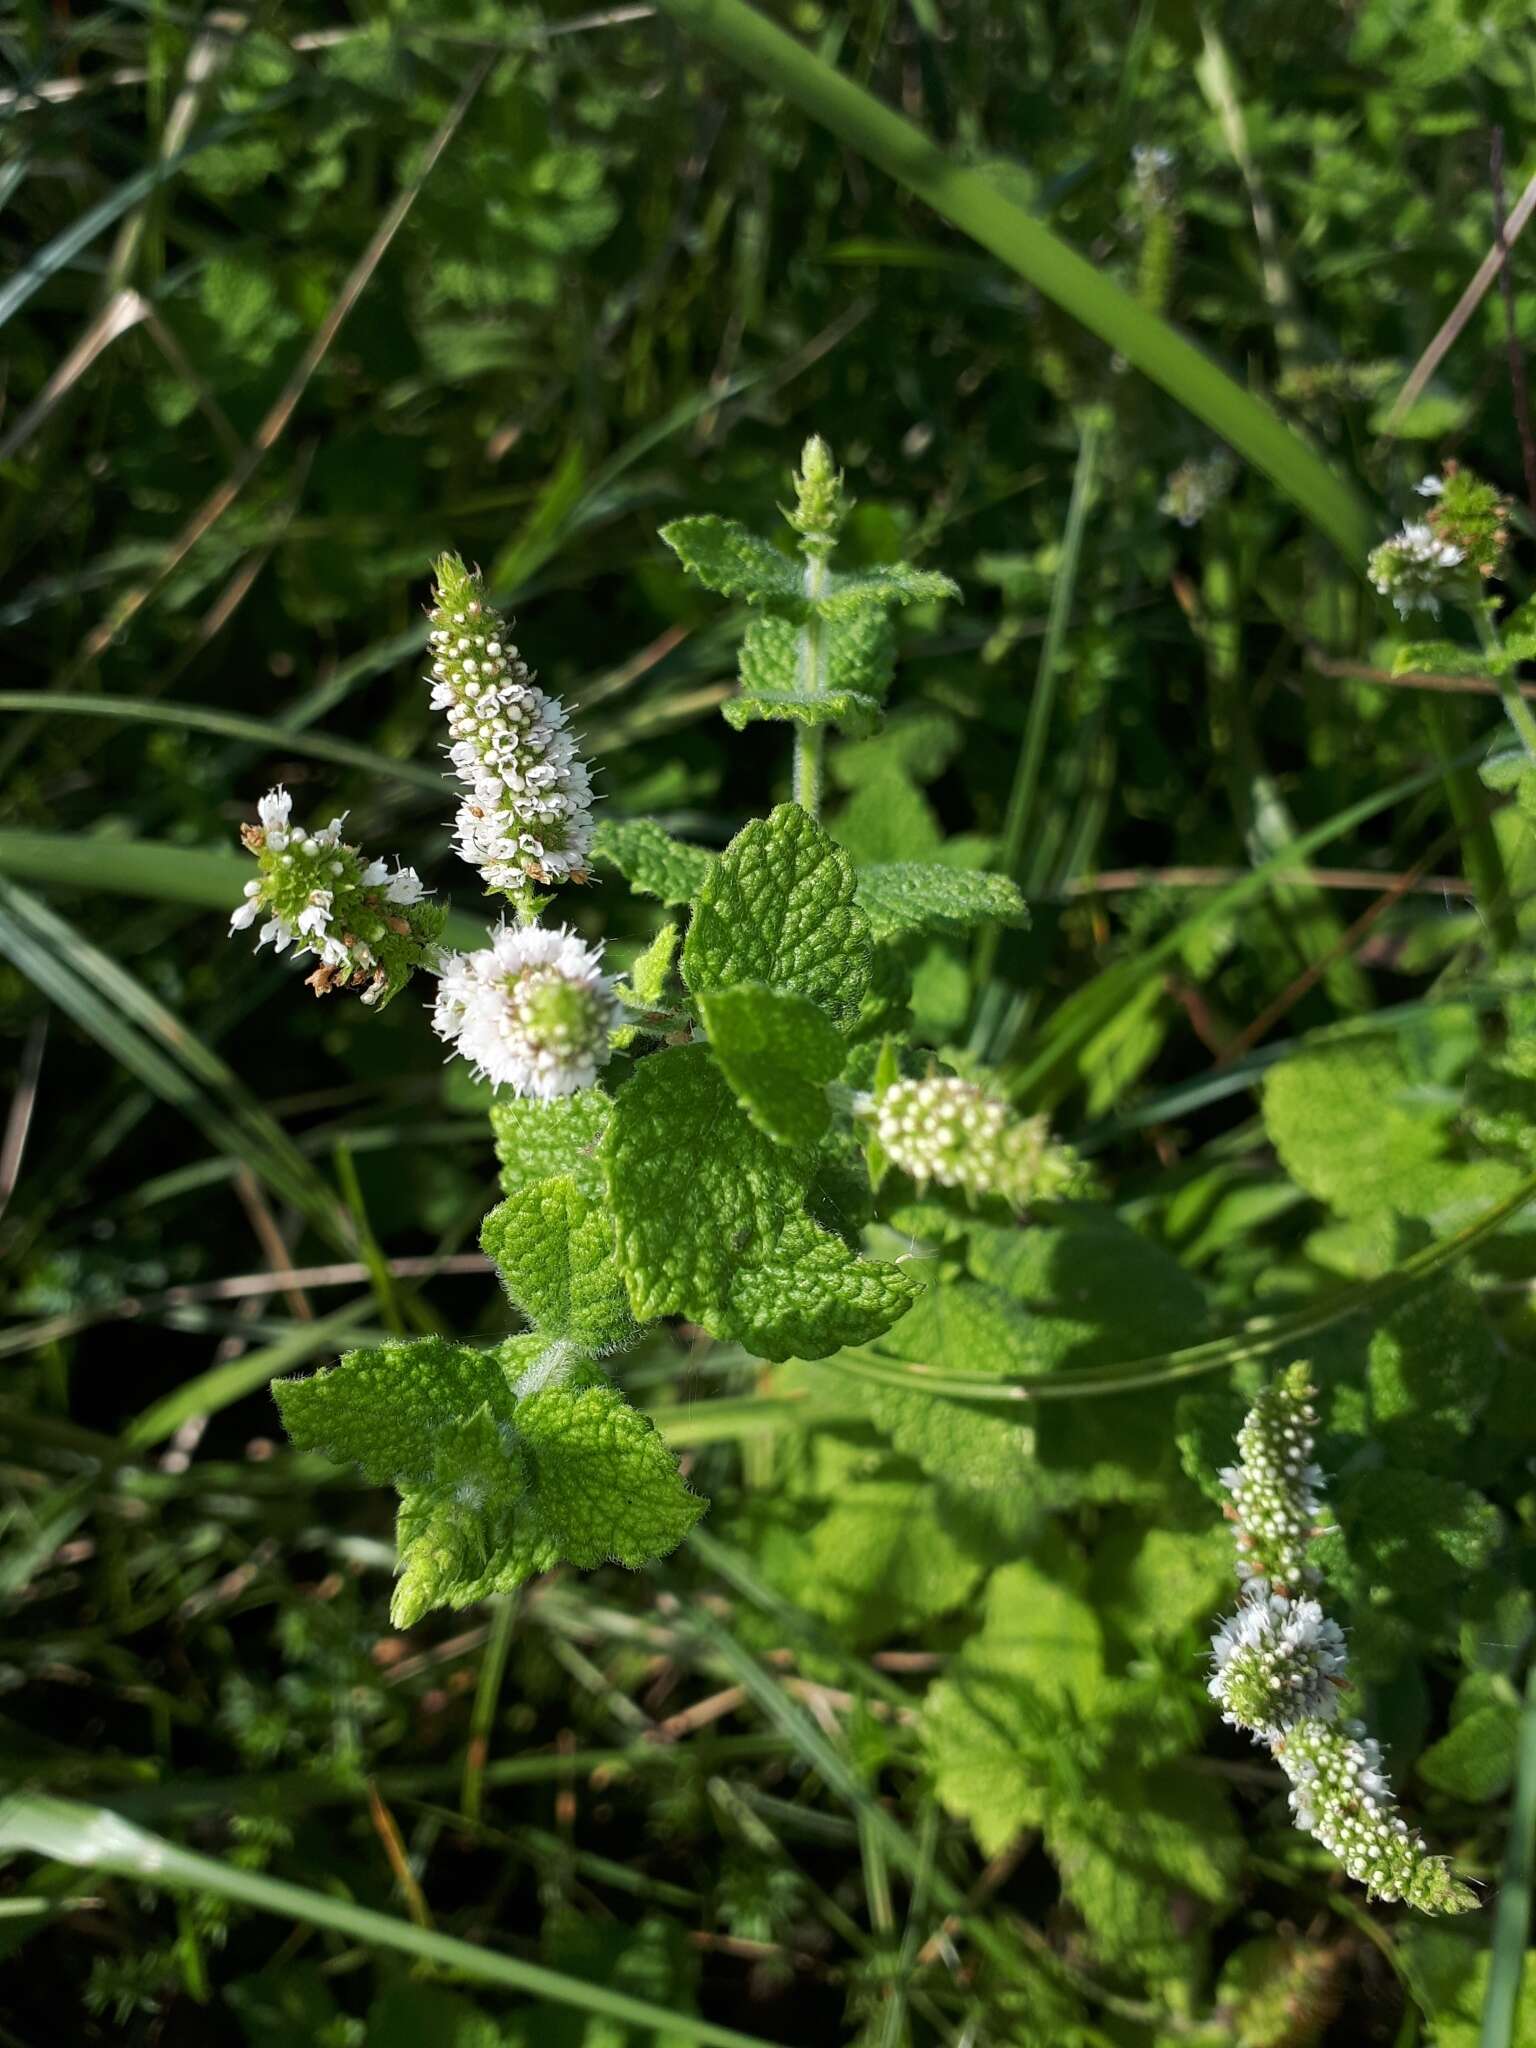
{"type": "Point", "coordinates": [811, 740]}
{"type": "Point", "coordinates": [1515, 706]}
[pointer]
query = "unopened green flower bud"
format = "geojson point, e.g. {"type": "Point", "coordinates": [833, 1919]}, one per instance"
{"type": "Point", "coordinates": [821, 505]}
{"type": "Point", "coordinates": [1339, 1794]}
{"type": "Point", "coordinates": [950, 1131]}
{"type": "Point", "coordinates": [1275, 1487]}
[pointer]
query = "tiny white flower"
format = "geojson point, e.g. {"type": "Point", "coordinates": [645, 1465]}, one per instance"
{"type": "Point", "coordinates": [247, 912]}
{"type": "Point", "coordinates": [275, 809]}
{"type": "Point", "coordinates": [1430, 486]}
{"type": "Point", "coordinates": [405, 887]}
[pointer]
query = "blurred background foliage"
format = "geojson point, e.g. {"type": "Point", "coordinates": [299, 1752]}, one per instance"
{"type": "Point", "coordinates": [296, 301]}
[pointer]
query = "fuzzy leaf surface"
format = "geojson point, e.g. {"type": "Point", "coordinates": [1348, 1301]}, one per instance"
{"type": "Point", "coordinates": [538, 1141]}
{"type": "Point", "coordinates": [729, 558]}
{"type": "Point", "coordinates": [779, 908]}
{"type": "Point", "coordinates": [877, 589]}
{"type": "Point", "coordinates": [387, 1409]}
{"type": "Point", "coordinates": [602, 1483]}
{"type": "Point", "coordinates": [554, 1251]}
{"type": "Point", "coordinates": [712, 1222]}
{"type": "Point", "coordinates": [651, 861]}
{"type": "Point", "coordinates": [778, 1052]}
{"type": "Point", "coordinates": [903, 897]}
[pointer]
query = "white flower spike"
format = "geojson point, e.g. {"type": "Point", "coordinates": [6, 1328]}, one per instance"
{"type": "Point", "coordinates": [527, 817]}
{"type": "Point", "coordinates": [1279, 1664]}
{"type": "Point", "coordinates": [533, 1011]}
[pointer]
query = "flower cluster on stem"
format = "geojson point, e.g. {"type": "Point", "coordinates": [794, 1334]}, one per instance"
{"type": "Point", "coordinates": [950, 1131]}
{"type": "Point", "coordinates": [1279, 1665]}
{"type": "Point", "coordinates": [370, 927]}
{"type": "Point", "coordinates": [532, 1011]}
{"type": "Point", "coordinates": [526, 817]}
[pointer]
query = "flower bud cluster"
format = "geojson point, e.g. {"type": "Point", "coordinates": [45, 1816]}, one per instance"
{"type": "Point", "coordinates": [1195, 486]}
{"type": "Point", "coordinates": [953, 1132]}
{"type": "Point", "coordinates": [1340, 1794]}
{"type": "Point", "coordinates": [1415, 568]}
{"type": "Point", "coordinates": [532, 1010]}
{"type": "Point", "coordinates": [369, 927]}
{"type": "Point", "coordinates": [821, 504]}
{"type": "Point", "coordinates": [1279, 1664]}
{"type": "Point", "coordinates": [1470, 515]}
{"type": "Point", "coordinates": [1275, 1486]}
{"type": "Point", "coordinates": [527, 816]}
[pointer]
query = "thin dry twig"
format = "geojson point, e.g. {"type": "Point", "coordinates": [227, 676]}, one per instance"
{"type": "Point", "coordinates": [1120, 881]}
{"type": "Point", "coordinates": [1363, 672]}
{"type": "Point", "coordinates": [1519, 390]}
{"type": "Point", "coordinates": [1464, 308]}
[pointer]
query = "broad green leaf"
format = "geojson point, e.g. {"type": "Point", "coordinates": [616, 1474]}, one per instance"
{"type": "Point", "coordinates": [537, 1141]}
{"type": "Point", "coordinates": [778, 1052]}
{"type": "Point", "coordinates": [602, 1483]}
{"type": "Point", "coordinates": [712, 1222]}
{"type": "Point", "coordinates": [458, 1534]}
{"type": "Point", "coordinates": [729, 558]}
{"type": "Point", "coordinates": [1035, 1666]}
{"type": "Point", "coordinates": [1349, 1130]}
{"type": "Point", "coordinates": [1476, 1760]}
{"type": "Point", "coordinates": [1413, 1532]}
{"type": "Point", "coordinates": [580, 1478]}
{"type": "Point", "coordinates": [902, 897]}
{"type": "Point", "coordinates": [830, 671]}
{"type": "Point", "coordinates": [386, 1409]}
{"type": "Point", "coordinates": [778, 908]}
{"type": "Point", "coordinates": [554, 1251]}
{"type": "Point", "coordinates": [1433, 1365]}
{"type": "Point", "coordinates": [1130, 1848]}
{"type": "Point", "coordinates": [650, 861]}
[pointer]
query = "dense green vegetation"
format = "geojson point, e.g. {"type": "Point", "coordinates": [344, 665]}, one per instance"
{"type": "Point", "coordinates": [907, 1740]}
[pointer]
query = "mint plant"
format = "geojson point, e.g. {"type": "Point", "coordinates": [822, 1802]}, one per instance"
{"type": "Point", "coordinates": [703, 1139]}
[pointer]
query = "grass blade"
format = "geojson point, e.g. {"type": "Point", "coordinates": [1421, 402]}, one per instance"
{"type": "Point", "coordinates": [1512, 1912]}
{"type": "Point", "coordinates": [262, 732]}
{"type": "Point", "coordinates": [974, 203]}
{"type": "Point", "coordinates": [95, 1838]}
{"type": "Point", "coordinates": [155, 1045]}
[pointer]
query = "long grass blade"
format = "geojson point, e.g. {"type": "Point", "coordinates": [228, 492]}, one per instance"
{"type": "Point", "coordinates": [975, 203]}
{"type": "Point", "coordinates": [1512, 1913]}
{"type": "Point", "coordinates": [138, 1031]}
{"type": "Point", "coordinates": [95, 1838]}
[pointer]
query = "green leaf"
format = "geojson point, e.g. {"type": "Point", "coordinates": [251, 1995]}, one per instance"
{"type": "Point", "coordinates": [730, 558]}
{"type": "Point", "coordinates": [652, 970]}
{"type": "Point", "coordinates": [838, 677]}
{"type": "Point", "coordinates": [1036, 1664]}
{"type": "Point", "coordinates": [903, 897]}
{"type": "Point", "coordinates": [1349, 1128]}
{"type": "Point", "coordinates": [1433, 1365]}
{"type": "Point", "coordinates": [1413, 1532]}
{"type": "Point", "coordinates": [650, 861]}
{"type": "Point", "coordinates": [538, 1141]}
{"type": "Point", "coordinates": [1124, 1859]}
{"type": "Point", "coordinates": [1476, 1760]}
{"type": "Point", "coordinates": [778, 908]}
{"type": "Point", "coordinates": [778, 1052]}
{"type": "Point", "coordinates": [712, 1222]}
{"type": "Point", "coordinates": [554, 1251]}
{"type": "Point", "coordinates": [386, 1409]}
{"type": "Point", "coordinates": [602, 1483]}
{"type": "Point", "coordinates": [582, 1478]}
{"type": "Point", "coordinates": [878, 588]}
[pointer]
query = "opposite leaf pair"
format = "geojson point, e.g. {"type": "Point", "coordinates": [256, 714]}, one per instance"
{"type": "Point", "coordinates": [514, 1459]}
